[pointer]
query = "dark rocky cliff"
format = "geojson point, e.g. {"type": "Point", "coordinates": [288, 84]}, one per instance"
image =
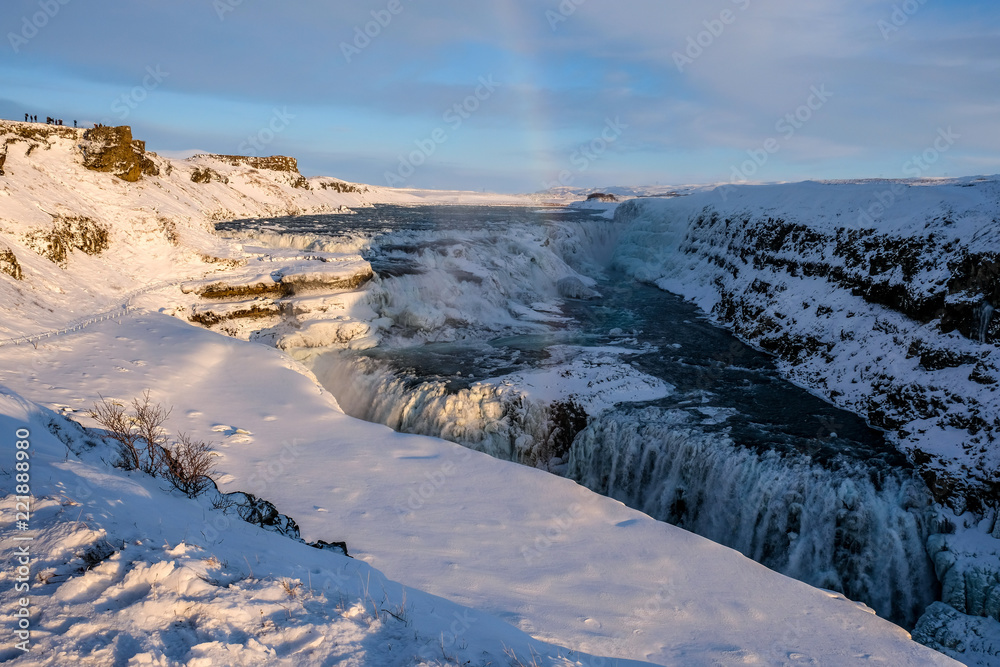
{"type": "Point", "coordinates": [866, 315]}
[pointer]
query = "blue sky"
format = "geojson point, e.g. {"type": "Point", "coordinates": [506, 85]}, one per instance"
{"type": "Point", "coordinates": [514, 96]}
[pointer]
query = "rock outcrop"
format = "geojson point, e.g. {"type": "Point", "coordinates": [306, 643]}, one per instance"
{"type": "Point", "coordinates": [66, 235]}
{"type": "Point", "coordinates": [279, 163]}
{"type": "Point", "coordinates": [113, 150]}
{"type": "Point", "coordinates": [10, 265]}
{"type": "Point", "coordinates": [270, 162]}
{"type": "Point", "coordinates": [207, 175]}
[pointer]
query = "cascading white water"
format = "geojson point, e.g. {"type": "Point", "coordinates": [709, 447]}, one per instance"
{"type": "Point", "coordinates": [485, 283]}
{"type": "Point", "coordinates": [845, 527]}
{"type": "Point", "coordinates": [503, 416]}
{"type": "Point", "coordinates": [984, 314]}
{"type": "Point", "coordinates": [496, 419]}
{"type": "Point", "coordinates": [345, 243]}
{"type": "Point", "coordinates": [479, 284]}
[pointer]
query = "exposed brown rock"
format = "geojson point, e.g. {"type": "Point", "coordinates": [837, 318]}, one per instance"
{"type": "Point", "coordinates": [253, 311]}
{"type": "Point", "coordinates": [339, 186]}
{"type": "Point", "coordinates": [10, 265]}
{"type": "Point", "coordinates": [68, 234]}
{"type": "Point", "coordinates": [207, 175]}
{"type": "Point", "coordinates": [113, 150]}
{"type": "Point", "coordinates": [271, 162]}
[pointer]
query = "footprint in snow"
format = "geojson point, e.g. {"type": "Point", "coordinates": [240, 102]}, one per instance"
{"type": "Point", "coordinates": [237, 434]}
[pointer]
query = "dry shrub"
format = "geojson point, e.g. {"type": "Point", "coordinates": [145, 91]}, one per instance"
{"type": "Point", "coordinates": [188, 465]}
{"type": "Point", "coordinates": [143, 444]}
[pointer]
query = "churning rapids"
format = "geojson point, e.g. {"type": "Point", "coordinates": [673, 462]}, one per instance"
{"type": "Point", "coordinates": [514, 332]}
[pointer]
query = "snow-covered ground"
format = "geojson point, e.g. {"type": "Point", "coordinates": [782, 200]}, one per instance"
{"type": "Point", "coordinates": [123, 572]}
{"type": "Point", "coordinates": [520, 560]}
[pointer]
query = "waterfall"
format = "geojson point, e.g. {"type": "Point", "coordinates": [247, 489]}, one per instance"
{"type": "Point", "coordinates": [482, 283]}
{"type": "Point", "coordinates": [984, 316]}
{"type": "Point", "coordinates": [855, 526]}
{"type": "Point", "coordinates": [494, 418]}
{"type": "Point", "coordinates": [846, 527]}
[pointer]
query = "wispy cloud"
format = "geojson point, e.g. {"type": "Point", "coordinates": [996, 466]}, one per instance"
{"type": "Point", "coordinates": [757, 59]}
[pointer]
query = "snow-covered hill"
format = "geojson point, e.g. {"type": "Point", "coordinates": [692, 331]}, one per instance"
{"type": "Point", "coordinates": [93, 266]}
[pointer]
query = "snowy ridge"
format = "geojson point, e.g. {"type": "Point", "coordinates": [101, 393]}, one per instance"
{"type": "Point", "coordinates": [112, 313]}
{"type": "Point", "coordinates": [159, 226]}
{"type": "Point", "coordinates": [502, 539]}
